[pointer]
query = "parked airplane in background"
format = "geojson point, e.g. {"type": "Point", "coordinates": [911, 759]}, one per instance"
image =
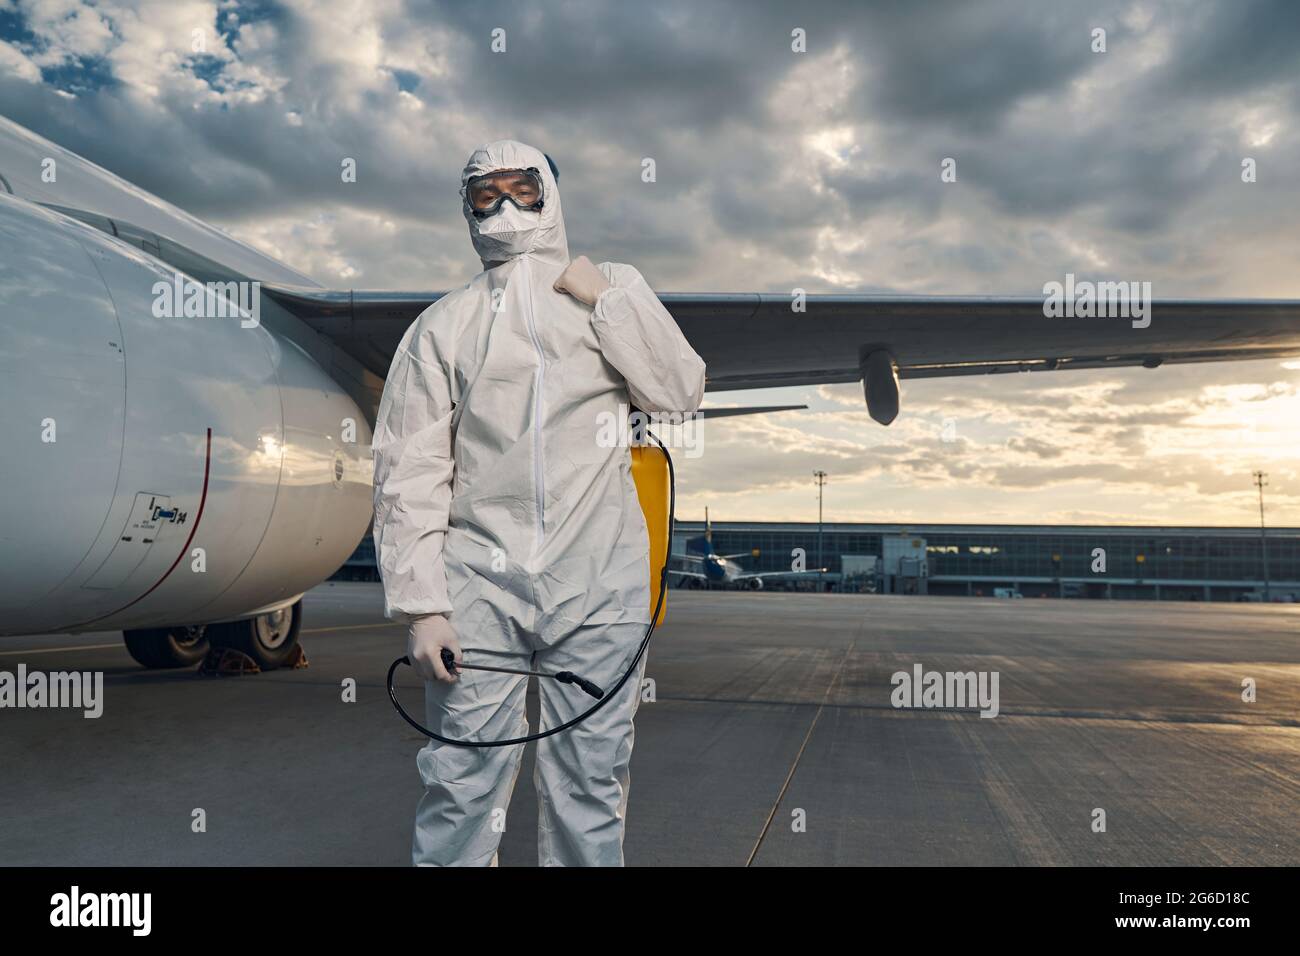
{"type": "Point", "coordinates": [721, 568]}
{"type": "Point", "coordinates": [185, 477]}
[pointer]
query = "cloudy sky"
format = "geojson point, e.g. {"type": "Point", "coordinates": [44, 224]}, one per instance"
{"type": "Point", "coordinates": [775, 169]}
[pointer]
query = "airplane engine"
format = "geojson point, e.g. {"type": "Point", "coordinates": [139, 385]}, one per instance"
{"type": "Point", "coordinates": [756, 584]}
{"type": "Point", "coordinates": [158, 471]}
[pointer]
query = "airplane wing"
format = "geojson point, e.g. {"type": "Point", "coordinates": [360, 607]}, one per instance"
{"type": "Point", "coordinates": [779, 574]}
{"type": "Point", "coordinates": [758, 341]}
{"type": "Point", "coordinates": [748, 340]}
{"type": "Point", "coordinates": [688, 574]}
{"type": "Point", "coordinates": [729, 411]}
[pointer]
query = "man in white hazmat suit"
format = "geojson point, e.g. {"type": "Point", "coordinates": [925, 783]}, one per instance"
{"type": "Point", "coordinates": [505, 522]}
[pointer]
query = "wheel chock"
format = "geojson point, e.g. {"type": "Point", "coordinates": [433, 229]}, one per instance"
{"type": "Point", "coordinates": [227, 662]}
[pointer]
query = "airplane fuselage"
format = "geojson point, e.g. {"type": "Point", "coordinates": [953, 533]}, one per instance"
{"type": "Point", "coordinates": [156, 471]}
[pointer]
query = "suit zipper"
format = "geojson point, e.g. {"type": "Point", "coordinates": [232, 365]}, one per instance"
{"type": "Point", "coordinates": [539, 383]}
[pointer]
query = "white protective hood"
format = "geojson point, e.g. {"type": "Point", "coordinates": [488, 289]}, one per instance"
{"type": "Point", "coordinates": [513, 231]}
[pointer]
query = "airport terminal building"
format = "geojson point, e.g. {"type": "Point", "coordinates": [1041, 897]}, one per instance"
{"type": "Point", "coordinates": [1147, 563]}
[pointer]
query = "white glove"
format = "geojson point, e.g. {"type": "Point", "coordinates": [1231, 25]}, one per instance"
{"type": "Point", "coordinates": [582, 280]}
{"type": "Point", "coordinates": [424, 643]}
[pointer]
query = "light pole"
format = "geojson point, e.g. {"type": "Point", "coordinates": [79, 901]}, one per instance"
{"type": "Point", "coordinates": [1261, 479]}
{"type": "Point", "coordinates": [821, 481]}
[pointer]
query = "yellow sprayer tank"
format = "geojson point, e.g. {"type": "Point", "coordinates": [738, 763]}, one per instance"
{"type": "Point", "coordinates": [650, 472]}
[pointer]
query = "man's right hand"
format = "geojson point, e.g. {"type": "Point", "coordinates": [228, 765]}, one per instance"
{"type": "Point", "coordinates": [424, 643]}
{"type": "Point", "coordinates": [583, 280]}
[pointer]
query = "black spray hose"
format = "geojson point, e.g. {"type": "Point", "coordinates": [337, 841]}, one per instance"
{"type": "Point", "coordinates": [567, 677]}
{"type": "Point", "coordinates": [564, 677]}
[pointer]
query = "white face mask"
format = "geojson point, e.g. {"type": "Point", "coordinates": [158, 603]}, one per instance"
{"type": "Point", "coordinates": [506, 234]}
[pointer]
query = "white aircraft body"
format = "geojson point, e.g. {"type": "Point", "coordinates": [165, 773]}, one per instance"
{"type": "Point", "coordinates": [159, 473]}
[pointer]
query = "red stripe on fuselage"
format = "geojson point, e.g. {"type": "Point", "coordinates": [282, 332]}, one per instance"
{"type": "Point", "coordinates": [203, 499]}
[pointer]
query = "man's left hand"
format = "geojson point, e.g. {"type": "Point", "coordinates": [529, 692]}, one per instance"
{"type": "Point", "coordinates": [582, 280]}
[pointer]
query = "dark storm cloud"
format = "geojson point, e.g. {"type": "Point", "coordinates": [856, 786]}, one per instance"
{"type": "Point", "coordinates": [655, 67]}
{"type": "Point", "coordinates": [965, 65]}
{"type": "Point", "coordinates": [704, 90]}
{"type": "Point", "coordinates": [1227, 49]}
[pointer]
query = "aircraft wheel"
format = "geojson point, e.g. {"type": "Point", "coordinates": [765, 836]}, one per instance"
{"type": "Point", "coordinates": [269, 639]}
{"type": "Point", "coordinates": [167, 647]}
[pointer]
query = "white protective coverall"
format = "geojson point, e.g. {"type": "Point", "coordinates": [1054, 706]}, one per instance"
{"type": "Point", "coordinates": [498, 503]}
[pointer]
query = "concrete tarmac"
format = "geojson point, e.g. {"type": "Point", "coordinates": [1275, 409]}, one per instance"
{"type": "Point", "coordinates": [771, 741]}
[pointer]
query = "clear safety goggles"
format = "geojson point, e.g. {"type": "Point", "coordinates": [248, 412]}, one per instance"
{"type": "Point", "coordinates": [486, 193]}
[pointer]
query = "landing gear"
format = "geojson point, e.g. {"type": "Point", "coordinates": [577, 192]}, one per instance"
{"type": "Point", "coordinates": [167, 647]}
{"type": "Point", "coordinates": [271, 639]}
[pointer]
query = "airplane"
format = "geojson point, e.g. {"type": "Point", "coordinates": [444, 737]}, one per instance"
{"type": "Point", "coordinates": [185, 480]}
{"type": "Point", "coordinates": [721, 569]}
